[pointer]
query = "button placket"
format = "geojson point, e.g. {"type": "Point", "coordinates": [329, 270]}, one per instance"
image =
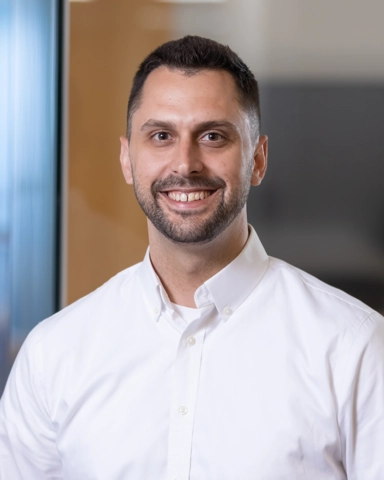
{"type": "Point", "coordinates": [185, 384]}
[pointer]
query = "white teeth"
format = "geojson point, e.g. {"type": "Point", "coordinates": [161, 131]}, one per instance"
{"type": "Point", "coordinates": [190, 197]}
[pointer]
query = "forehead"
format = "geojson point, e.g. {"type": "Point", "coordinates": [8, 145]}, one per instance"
{"type": "Point", "coordinates": [204, 95]}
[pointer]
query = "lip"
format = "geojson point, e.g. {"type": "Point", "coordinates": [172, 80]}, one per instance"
{"type": "Point", "coordinates": [188, 190]}
{"type": "Point", "coordinates": [195, 205]}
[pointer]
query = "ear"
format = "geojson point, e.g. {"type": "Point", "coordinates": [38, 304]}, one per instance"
{"type": "Point", "coordinates": [260, 161]}
{"type": "Point", "coordinates": [125, 160]}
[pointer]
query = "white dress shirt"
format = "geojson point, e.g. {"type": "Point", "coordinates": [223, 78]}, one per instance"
{"type": "Point", "coordinates": [275, 376]}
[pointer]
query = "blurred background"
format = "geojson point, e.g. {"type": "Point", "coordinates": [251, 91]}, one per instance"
{"type": "Point", "coordinates": [68, 222]}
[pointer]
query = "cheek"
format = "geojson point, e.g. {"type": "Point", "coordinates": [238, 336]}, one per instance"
{"type": "Point", "coordinates": [143, 171]}
{"type": "Point", "coordinates": [143, 185]}
{"type": "Point", "coordinates": [233, 172]}
{"type": "Point", "coordinates": [239, 181]}
{"type": "Point", "coordinates": [148, 166]}
{"type": "Point", "coordinates": [232, 164]}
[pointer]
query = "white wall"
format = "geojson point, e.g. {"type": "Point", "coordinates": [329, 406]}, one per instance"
{"type": "Point", "coordinates": [339, 40]}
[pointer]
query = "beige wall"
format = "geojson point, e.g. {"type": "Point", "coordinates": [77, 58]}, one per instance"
{"type": "Point", "coordinates": [106, 229]}
{"type": "Point", "coordinates": [283, 40]}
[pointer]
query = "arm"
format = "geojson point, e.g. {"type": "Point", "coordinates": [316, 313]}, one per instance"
{"type": "Point", "coordinates": [27, 437]}
{"type": "Point", "coordinates": [361, 412]}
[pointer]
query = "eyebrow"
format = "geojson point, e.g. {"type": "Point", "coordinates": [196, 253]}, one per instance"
{"type": "Point", "coordinates": [153, 123]}
{"type": "Point", "coordinates": [216, 124]}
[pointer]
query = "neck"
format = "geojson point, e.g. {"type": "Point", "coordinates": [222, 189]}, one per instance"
{"type": "Point", "coordinates": [183, 268]}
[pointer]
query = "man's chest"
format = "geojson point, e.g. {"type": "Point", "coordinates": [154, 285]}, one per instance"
{"type": "Point", "coordinates": [220, 407]}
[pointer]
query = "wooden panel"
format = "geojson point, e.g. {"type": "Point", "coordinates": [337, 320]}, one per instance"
{"type": "Point", "coordinates": [106, 229]}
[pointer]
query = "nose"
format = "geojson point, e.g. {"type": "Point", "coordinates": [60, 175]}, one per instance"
{"type": "Point", "coordinates": [187, 158]}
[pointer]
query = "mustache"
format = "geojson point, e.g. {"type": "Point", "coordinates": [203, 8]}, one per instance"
{"type": "Point", "coordinates": [172, 181]}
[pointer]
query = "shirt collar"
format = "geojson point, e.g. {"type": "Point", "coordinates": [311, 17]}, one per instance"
{"type": "Point", "coordinates": [235, 282]}
{"type": "Point", "coordinates": [227, 289]}
{"type": "Point", "coordinates": [152, 287]}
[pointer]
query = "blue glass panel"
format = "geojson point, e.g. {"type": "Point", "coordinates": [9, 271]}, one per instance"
{"type": "Point", "coordinates": [28, 169]}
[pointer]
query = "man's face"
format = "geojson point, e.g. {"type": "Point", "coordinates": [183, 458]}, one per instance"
{"type": "Point", "coordinates": [191, 156]}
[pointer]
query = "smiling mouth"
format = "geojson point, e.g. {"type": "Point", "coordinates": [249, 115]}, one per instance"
{"type": "Point", "coordinates": [189, 196]}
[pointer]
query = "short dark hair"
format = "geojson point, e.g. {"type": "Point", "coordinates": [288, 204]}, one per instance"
{"type": "Point", "coordinates": [191, 54]}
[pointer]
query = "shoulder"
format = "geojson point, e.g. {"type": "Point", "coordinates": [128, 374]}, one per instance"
{"type": "Point", "coordinates": [82, 338]}
{"type": "Point", "coordinates": [302, 285]}
{"type": "Point", "coordinates": [333, 323]}
{"type": "Point", "coordinates": [91, 314]}
{"type": "Point", "coordinates": [318, 306]}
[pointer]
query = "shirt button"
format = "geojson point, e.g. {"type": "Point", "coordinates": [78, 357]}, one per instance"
{"type": "Point", "coordinates": [191, 341]}
{"type": "Point", "coordinates": [156, 310]}
{"type": "Point", "coordinates": [227, 311]}
{"type": "Point", "coordinates": [183, 410]}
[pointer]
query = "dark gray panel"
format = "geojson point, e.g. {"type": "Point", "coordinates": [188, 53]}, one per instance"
{"type": "Point", "coordinates": [321, 205]}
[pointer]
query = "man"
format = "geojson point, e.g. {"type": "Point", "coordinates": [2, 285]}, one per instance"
{"type": "Point", "coordinates": [209, 360]}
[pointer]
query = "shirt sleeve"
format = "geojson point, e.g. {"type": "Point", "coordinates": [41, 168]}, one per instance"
{"type": "Point", "coordinates": [361, 409]}
{"type": "Point", "coordinates": [27, 437]}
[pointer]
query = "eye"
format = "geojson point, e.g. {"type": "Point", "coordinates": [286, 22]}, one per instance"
{"type": "Point", "coordinates": [213, 137]}
{"type": "Point", "coordinates": [162, 136]}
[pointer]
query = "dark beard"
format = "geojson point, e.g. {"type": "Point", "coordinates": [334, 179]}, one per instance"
{"type": "Point", "coordinates": [193, 232]}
